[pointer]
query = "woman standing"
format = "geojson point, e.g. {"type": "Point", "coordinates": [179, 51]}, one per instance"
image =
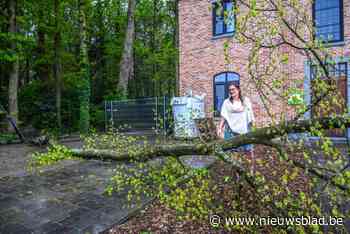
{"type": "Point", "coordinates": [237, 116]}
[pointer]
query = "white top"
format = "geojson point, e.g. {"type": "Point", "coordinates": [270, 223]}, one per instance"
{"type": "Point", "coordinates": [238, 121]}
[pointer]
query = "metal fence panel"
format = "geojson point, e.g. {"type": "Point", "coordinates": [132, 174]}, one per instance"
{"type": "Point", "coordinates": [139, 114]}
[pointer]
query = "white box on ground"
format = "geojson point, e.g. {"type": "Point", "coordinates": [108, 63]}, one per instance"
{"type": "Point", "coordinates": [185, 111]}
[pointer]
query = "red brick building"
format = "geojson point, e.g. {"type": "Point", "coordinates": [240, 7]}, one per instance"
{"type": "Point", "coordinates": [203, 33]}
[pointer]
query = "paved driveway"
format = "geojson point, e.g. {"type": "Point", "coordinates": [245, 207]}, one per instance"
{"type": "Point", "coordinates": [65, 198]}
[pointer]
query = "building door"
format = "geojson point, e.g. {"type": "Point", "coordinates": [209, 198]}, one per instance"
{"type": "Point", "coordinates": [336, 102]}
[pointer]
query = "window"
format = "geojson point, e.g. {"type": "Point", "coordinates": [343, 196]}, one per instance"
{"type": "Point", "coordinates": [221, 89]}
{"type": "Point", "coordinates": [338, 79]}
{"type": "Point", "coordinates": [328, 20]}
{"type": "Point", "coordinates": [223, 17]}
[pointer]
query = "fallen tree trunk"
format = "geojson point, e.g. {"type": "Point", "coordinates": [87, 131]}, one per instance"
{"type": "Point", "coordinates": [143, 155]}
{"type": "Point", "coordinates": [259, 136]}
{"type": "Point", "coordinates": [216, 148]}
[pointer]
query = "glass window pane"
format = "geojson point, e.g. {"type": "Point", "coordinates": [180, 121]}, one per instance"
{"type": "Point", "coordinates": [219, 27]}
{"type": "Point", "coordinates": [230, 22]}
{"type": "Point", "coordinates": [219, 96]}
{"type": "Point", "coordinates": [220, 78]}
{"type": "Point", "coordinates": [331, 68]}
{"type": "Point", "coordinates": [218, 19]}
{"type": "Point", "coordinates": [322, 4]}
{"type": "Point", "coordinates": [230, 19]}
{"type": "Point", "coordinates": [229, 6]}
{"type": "Point", "coordinates": [335, 70]}
{"type": "Point", "coordinates": [342, 69]}
{"type": "Point", "coordinates": [232, 76]}
{"type": "Point", "coordinates": [224, 20]}
{"type": "Point", "coordinates": [327, 20]}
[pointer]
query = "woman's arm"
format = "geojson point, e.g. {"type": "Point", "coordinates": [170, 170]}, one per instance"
{"type": "Point", "coordinates": [221, 126]}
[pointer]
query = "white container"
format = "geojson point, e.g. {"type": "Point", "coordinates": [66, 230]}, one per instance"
{"type": "Point", "coordinates": [185, 111]}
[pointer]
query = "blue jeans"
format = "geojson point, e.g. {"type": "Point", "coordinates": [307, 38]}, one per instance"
{"type": "Point", "coordinates": [228, 134]}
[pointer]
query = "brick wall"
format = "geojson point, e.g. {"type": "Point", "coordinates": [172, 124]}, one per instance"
{"type": "Point", "coordinates": [202, 57]}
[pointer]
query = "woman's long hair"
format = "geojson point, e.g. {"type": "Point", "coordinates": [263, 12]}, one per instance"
{"type": "Point", "coordinates": [239, 90]}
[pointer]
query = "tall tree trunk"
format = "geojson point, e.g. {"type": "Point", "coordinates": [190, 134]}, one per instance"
{"type": "Point", "coordinates": [42, 65]}
{"type": "Point", "coordinates": [153, 48]}
{"type": "Point", "coordinates": [84, 71]}
{"type": "Point", "coordinates": [57, 63]}
{"type": "Point", "coordinates": [100, 66]}
{"type": "Point", "coordinates": [26, 77]}
{"type": "Point", "coordinates": [13, 81]}
{"type": "Point", "coordinates": [127, 63]}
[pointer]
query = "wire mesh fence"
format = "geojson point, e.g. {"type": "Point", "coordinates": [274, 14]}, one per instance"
{"type": "Point", "coordinates": [139, 114]}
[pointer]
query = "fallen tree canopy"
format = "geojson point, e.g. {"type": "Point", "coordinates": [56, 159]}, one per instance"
{"type": "Point", "coordinates": [216, 148]}
{"type": "Point", "coordinates": [258, 136]}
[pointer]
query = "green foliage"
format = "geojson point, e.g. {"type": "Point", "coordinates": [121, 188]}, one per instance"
{"type": "Point", "coordinates": [193, 200]}
{"type": "Point", "coordinates": [8, 137]}
{"type": "Point", "coordinates": [155, 54]}
{"type": "Point", "coordinates": [115, 140]}
{"type": "Point", "coordinates": [38, 109]}
{"type": "Point", "coordinates": [114, 95]}
{"type": "Point", "coordinates": [187, 191]}
{"type": "Point", "coordinates": [37, 106]}
{"type": "Point", "coordinates": [155, 50]}
{"type": "Point", "coordinates": [296, 97]}
{"type": "Point", "coordinates": [54, 154]}
{"type": "Point", "coordinates": [97, 117]}
{"type": "Point", "coordinates": [197, 193]}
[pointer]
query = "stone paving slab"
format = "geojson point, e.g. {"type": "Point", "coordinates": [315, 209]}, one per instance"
{"type": "Point", "coordinates": [65, 198]}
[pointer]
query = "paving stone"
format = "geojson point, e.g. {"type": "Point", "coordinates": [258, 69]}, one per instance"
{"type": "Point", "coordinates": [7, 188]}
{"type": "Point", "coordinates": [7, 202]}
{"type": "Point", "coordinates": [49, 227]}
{"type": "Point", "coordinates": [79, 222]}
{"type": "Point", "coordinates": [92, 204]}
{"type": "Point", "coordinates": [79, 211]}
{"type": "Point", "coordinates": [94, 228]}
{"type": "Point", "coordinates": [55, 215]}
{"type": "Point", "coordinates": [15, 228]}
{"type": "Point", "coordinates": [62, 230]}
{"type": "Point", "coordinates": [66, 198]}
{"type": "Point", "coordinates": [20, 216]}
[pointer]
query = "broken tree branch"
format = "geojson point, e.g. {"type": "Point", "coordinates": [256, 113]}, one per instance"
{"type": "Point", "coordinates": [258, 136]}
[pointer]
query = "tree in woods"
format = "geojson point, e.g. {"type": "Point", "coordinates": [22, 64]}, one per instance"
{"type": "Point", "coordinates": [41, 49]}
{"type": "Point", "coordinates": [156, 54]}
{"type": "Point", "coordinates": [13, 79]}
{"type": "Point", "coordinates": [84, 70]}
{"type": "Point", "coordinates": [126, 72]}
{"type": "Point", "coordinates": [274, 30]}
{"type": "Point", "coordinates": [57, 61]}
{"type": "Point", "coordinates": [48, 51]}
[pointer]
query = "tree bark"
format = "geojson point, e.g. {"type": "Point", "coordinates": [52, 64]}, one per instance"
{"type": "Point", "coordinates": [84, 71]}
{"type": "Point", "coordinates": [127, 63]}
{"type": "Point", "coordinates": [42, 66]}
{"type": "Point", "coordinates": [13, 80]}
{"type": "Point", "coordinates": [100, 62]}
{"type": "Point", "coordinates": [153, 49]}
{"type": "Point", "coordinates": [57, 64]}
{"type": "Point", "coordinates": [259, 136]}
